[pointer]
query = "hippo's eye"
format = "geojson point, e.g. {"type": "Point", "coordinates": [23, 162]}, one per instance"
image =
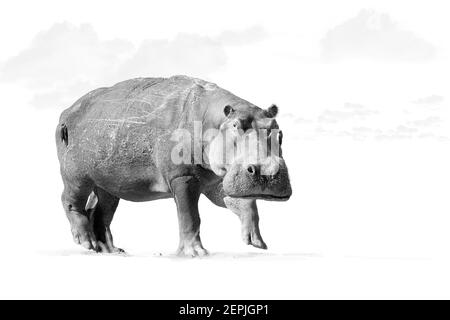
{"type": "Point", "coordinates": [236, 124]}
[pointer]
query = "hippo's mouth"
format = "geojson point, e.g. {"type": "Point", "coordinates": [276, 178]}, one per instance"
{"type": "Point", "coordinates": [268, 197]}
{"type": "Point", "coordinates": [239, 182]}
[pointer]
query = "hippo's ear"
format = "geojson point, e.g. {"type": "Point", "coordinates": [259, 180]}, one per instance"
{"type": "Point", "coordinates": [272, 111]}
{"type": "Point", "coordinates": [228, 110]}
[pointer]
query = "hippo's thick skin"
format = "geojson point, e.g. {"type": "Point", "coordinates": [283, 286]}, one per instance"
{"type": "Point", "coordinates": [115, 143]}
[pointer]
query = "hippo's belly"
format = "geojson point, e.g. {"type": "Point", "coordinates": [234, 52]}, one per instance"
{"type": "Point", "coordinates": [130, 174]}
{"type": "Point", "coordinates": [130, 182]}
{"type": "Point", "coordinates": [137, 196]}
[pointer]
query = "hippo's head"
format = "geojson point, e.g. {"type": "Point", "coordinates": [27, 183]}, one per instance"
{"type": "Point", "coordinates": [247, 153]}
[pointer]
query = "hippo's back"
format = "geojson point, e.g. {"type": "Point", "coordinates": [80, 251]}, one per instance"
{"type": "Point", "coordinates": [110, 99]}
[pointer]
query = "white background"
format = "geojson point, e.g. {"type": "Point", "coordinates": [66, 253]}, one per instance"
{"type": "Point", "coordinates": [363, 91]}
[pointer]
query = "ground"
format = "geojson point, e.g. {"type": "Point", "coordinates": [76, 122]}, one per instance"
{"type": "Point", "coordinates": [76, 274]}
{"type": "Point", "coordinates": [366, 220]}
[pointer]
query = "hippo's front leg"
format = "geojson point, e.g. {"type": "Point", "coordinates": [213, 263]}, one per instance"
{"type": "Point", "coordinates": [247, 211]}
{"type": "Point", "coordinates": [186, 192]}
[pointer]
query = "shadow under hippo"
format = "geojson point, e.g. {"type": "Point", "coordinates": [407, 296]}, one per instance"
{"type": "Point", "coordinates": [153, 138]}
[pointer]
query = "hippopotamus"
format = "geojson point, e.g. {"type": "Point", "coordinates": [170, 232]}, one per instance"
{"type": "Point", "coordinates": [154, 138]}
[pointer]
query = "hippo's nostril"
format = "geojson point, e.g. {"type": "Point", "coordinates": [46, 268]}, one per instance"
{"type": "Point", "coordinates": [251, 169]}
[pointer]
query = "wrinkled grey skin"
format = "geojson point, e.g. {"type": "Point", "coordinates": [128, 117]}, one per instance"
{"type": "Point", "coordinates": [115, 143]}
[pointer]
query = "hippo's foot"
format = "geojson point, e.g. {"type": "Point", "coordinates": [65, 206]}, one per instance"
{"type": "Point", "coordinates": [105, 239]}
{"type": "Point", "coordinates": [82, 233]}
{"type": "Point", "coordinates": [104, 247]}
{"type": "Point", "coordinates": [191, 249]}
{"type": "Point", "coordinates": [251, 236]}
{"type": "Point", "coordinates": [247, 212]}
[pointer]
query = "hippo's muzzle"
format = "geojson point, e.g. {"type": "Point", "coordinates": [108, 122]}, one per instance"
{"type": "Point", "coordinates": [267, 181]}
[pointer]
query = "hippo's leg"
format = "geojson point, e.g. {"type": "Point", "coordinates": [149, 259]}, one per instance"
{"type": "Point", "coordinates": [101, 206]}
{"type": "Point", "coordinates": [74, 198]}
{"type": "Point", "coordinates": [186, 192]}
{"type": "Point", "coordinates": [247, 211]}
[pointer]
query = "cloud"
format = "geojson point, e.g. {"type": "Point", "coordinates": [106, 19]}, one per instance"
{"type": "Point", "coordinates": [65, 53]}
{"type": "Point", "coordinates": [243, 37]}
{"type": "Point", "coordinates": [404, 132]}
{"type": "Point", "coordinates": [432, 136]}
{"type": "Point", "coordinates": [188, 53]}
{"type": "Point", "coordinates": [60, 97]}
{"type": "Point", "coordinates": [427, 122]}
{"type": "Point", "coordinates": [428, 128]}
{"type": "Point", "coordinates": [356, 133]}
{"type": "Point", "coordinates": [294, 119]}
{"type": "Point", "coordinates": [358, 122]}
{"type": "Point", "coordinates": [429, 100]}
{"type": "Point", "coordinates": [185, 54]}
{"type": "Point", "coordinates": [374, 36]}
{"type": "Point", "coordinates": [351, 120]}
{"type": "Point", "coordinates": [349, 112]}
{"type": "Point", "coordinates": [65, 59]}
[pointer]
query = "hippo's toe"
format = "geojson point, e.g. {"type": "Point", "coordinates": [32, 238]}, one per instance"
{"type": "Point", "coordinates": [85, 238]}
{"type": "Point", "coordinates": [192, 250]}
{"type": "Point", "coordinates": [251, 237]}
{"type": "Point", "coordinates": [105, 248]}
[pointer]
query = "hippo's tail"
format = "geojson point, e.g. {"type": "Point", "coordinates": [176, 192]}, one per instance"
{"type": "Point", "coordinates": [63, 134]}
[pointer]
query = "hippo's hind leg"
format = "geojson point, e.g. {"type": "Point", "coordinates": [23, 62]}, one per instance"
{"type": "Point", "coordinates": [245, 209]}
{"type": "Point", "coordinates": [101, 208]}
{"type": "Point", "coordinates": [74, 198]}
{"type": "Point", "coordinates": [186, 192]}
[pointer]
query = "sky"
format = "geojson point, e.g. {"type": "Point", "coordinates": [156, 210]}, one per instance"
{"type": "Point", "coordinates": [373, 54]}
{"type": "Point", "coordinates": [363, 93]}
